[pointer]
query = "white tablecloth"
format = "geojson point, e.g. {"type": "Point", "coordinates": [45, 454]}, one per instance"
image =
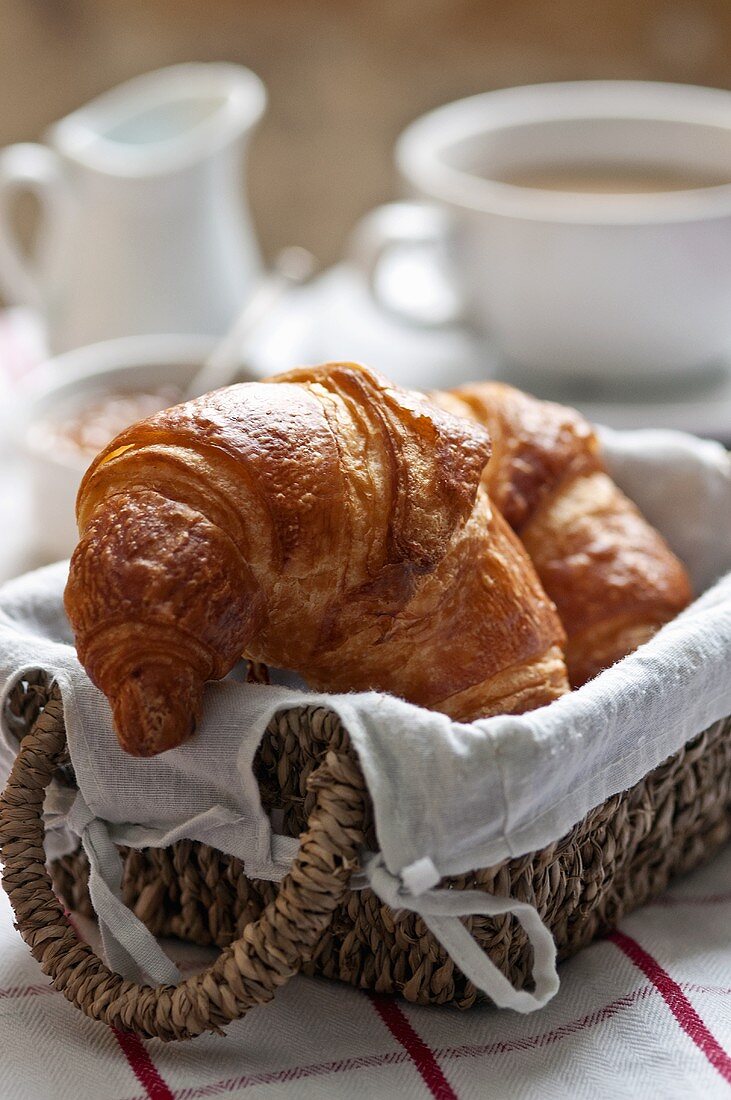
{"type": "Point", "coordinates": [645, 1013]}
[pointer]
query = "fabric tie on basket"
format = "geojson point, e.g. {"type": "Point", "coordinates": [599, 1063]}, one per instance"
{"type": "Point", "coordinates": [447, 797]}
{"type": "Point", "coordinates": [441, 909]}
{"type": "Point", "coordinates": [131, 949]}
{"type": "Point", "coordinates": [128, 946]}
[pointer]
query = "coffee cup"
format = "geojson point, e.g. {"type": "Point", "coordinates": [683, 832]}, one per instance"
{"type": "Point", "coordinates": [585, 229]}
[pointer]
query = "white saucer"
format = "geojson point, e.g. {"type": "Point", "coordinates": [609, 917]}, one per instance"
{"type": "Point", "coordinates": [335, 318]}
{"type": "Point", "coordinates": [708, 415]}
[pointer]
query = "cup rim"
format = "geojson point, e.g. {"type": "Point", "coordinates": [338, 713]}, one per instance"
{"type": "Point", "coordinates": [93, 362]}
{"type": "Point", "coordinates": [420, 148]}
{"type": "Point", "coordinates": [243, 96]}
{"type": "Point", "coordinates": [86, 368]}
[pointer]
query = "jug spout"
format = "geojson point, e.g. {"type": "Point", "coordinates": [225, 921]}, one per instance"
{"type": "Point", "coordinates": [163, 121]}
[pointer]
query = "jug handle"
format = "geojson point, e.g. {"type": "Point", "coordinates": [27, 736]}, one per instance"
{"type": "Point", "coordinates": [25, 278]}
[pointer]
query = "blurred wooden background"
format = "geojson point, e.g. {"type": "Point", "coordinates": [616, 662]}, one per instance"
{"type": "Point", "coordinates": [344, 77]}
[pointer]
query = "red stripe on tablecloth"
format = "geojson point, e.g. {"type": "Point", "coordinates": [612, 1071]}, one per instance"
{"type": "Point", "coordinates": [135, 1052]}
{"type": "Point", "coordinates": [423, 1058]}
{"type": "Point", "coordinates": [346, 1065]}
{"type": "Point", "coordinates": [547, 1038]}
{"type": "Point", "coordinates": [296, 1073]}
{"type": "Point", "coordinates": [142, 1065]}
{"type": "Point", "coordinates": [677, 1002]}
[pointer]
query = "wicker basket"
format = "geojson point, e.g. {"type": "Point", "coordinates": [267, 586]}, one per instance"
{"type": "Point", "coordinates": [623, 853]}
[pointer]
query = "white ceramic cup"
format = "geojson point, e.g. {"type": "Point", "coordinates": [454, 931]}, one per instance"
{"type": "Point", "coordinates": [129, 365]}
{"type": "Point", "coordinates": [143, 224]}
{"type": "Point", "coordinates": [607, 289]}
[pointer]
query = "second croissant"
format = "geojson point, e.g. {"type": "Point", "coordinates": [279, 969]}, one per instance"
{"type": "Point", "coordinates": [613, 578]}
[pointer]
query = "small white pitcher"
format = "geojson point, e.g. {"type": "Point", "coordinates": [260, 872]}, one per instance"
{"type": "Point", "coordinates": [143, 226]}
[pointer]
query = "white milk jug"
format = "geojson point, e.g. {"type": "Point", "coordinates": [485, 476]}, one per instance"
{"type": "Point", "coordinates": [143, 225]}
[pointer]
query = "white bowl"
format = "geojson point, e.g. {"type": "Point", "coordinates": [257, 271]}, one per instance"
{"type": "Point", "coordinates": [130, 363]}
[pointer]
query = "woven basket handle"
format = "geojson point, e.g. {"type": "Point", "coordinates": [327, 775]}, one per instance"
{"type": "Point", "coordinates": [249, 972]}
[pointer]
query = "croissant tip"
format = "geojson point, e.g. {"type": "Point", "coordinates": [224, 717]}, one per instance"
{"type": "Point", "coordinates": [153, 714]}
{"type": "Point", "coordinates": [145, 747]}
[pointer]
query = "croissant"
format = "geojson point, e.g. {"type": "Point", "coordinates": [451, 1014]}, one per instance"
{"type": "Point", "coordinates": [612, 577]}
{"type": "Point", "coordinates": [324, 521]}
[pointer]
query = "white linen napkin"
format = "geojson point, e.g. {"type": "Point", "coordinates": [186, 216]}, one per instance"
{"type": "Point", "coordinates": [448, 797]}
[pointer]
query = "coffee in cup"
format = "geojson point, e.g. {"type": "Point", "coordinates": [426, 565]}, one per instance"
{"type": "Point", "coordinates": [586, 228]}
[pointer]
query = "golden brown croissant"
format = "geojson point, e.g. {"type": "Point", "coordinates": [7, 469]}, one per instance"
{"type": "Point", "coordinates": [325, 522]}
{"type": "Point", "coordinates": [612, 577]}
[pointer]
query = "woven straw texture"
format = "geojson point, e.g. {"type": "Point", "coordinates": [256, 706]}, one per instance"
{"type": "Point", "coordinates": [623, 853]}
